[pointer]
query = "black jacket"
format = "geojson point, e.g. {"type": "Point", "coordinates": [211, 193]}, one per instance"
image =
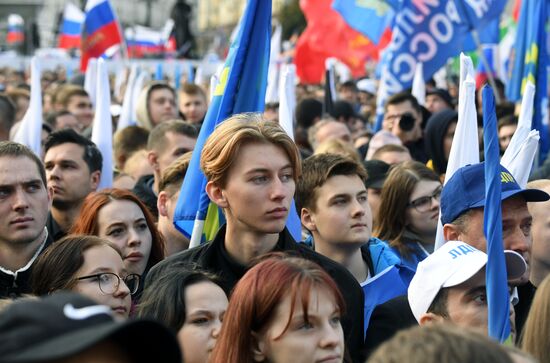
{"type": "Point", "coordinates": [12, 286]}
{"type": "Point", "coordinates": [214, 258]}
{"type": "Point", "coordinates": [144, 191]}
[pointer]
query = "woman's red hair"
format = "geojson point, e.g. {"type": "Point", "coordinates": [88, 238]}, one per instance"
{"type": "Point", "coordinates": [87, 220]}
{"type": "Point", "coordinates": [257, 295]}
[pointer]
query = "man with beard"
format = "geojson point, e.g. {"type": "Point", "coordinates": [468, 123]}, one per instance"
{"type": "Point", "coordinates": [73, 170]}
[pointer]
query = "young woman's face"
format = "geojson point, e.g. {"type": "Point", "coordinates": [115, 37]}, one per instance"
{"type": "Point", "coordinates": [320, 339]}
{"type": "Point", "coordinates": [259, 189]}
{"type": "Point", "coordinates": [423, 214]}
{"type": "Point", "coordinates": [205, 305]}
{"type": "Point", "coordinates": [98, 260]}
{"type": "Point", "coordinates": [123, 223]}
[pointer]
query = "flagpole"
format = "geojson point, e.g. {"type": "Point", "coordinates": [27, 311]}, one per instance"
{"type": "Point", "coordinates": [485, 62]}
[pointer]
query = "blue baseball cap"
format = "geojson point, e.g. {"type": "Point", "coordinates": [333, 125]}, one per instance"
{"type": "Point", "coordinates": [466, 190]}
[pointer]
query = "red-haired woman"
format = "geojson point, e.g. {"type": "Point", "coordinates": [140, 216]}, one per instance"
{"type": "Point", "coordinates": [119, 216]}
{"type": "Point", "coordinates": [284, 309]}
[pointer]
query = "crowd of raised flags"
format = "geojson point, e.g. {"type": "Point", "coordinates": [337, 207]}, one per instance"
{"type": "Point", "coordinates": [412, 39]}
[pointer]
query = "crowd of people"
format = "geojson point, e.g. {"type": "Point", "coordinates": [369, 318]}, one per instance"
{"type": "Point", "coordinates": [89, 274]}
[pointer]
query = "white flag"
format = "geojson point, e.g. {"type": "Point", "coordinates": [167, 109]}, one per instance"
{"type": "Point", "coordinates": [90, 79]}
{"type": "Point", "coordinates": [30, 129]}
{"type": "Point", "coordinates": [465, 147]}
{"type": "Point", "coordinates": [273, 72]}
{"type": "Point", "coordinates": [419, 86]}
{"type": "Point", "coordinates": [102, 132]}
{"type": "Point", "coordinates": [287, 98]}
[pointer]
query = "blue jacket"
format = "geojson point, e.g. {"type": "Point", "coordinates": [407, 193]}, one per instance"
{"type": "Point", "coordinates": [391, 276]}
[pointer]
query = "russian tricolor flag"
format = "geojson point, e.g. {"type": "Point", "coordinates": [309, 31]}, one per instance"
{"type": "Point", "coordinates": [141, 40]}
{"type": "Point", "coordinates": [15, 29]}
{"type": "Point", "coordinates": [101, 31]}
{"type": "Point", "coordinates": [69, 35]}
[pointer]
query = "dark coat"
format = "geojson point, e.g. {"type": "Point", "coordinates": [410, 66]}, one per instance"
{"type": "Point", "coordinates": [214, 258]}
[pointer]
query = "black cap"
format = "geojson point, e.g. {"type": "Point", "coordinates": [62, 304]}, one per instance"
{"type": "Point", "coordinates": [64, 324]}
{"type": "Point", "coordinates": [377, 171]}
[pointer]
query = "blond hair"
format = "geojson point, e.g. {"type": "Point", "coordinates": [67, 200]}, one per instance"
{"type": "Point", "coordinates": [222, 146]}
{"type": "Point", "coordinates": [534, 338]}
{"type": "Point", "coordinates": [339, 147]}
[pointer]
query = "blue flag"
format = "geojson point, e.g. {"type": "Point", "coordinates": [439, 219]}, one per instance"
{"type": "Point", "coordinates": [241, 88]}
{"type": "Point", "coordinates": [370, 18]}
{"type": "Point", "coordinates": [530, 62]}
{"type": "Point", "coordinates": [431, 33]}
{"type": "Point", "coordinates": [497, 286]}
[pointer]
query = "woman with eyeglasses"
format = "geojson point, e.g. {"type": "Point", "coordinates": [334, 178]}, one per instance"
{"type": "Point", "coordinates": [117, 215]}
{"type": "Point", "coordinates": [88, 265]}
{"type": "Point", "coordinates": [409, 211]}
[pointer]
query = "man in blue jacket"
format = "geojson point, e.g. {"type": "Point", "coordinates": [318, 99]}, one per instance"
{"type": "Point", "coordinates": [332, 202]}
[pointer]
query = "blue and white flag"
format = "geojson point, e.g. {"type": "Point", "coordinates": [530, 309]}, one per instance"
{"type": "Point", "coordinates": [431, 33]}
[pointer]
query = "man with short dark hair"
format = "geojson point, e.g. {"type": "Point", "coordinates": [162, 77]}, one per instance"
{"type": "Point", "coordinates": [403, 118]}
{"type": "Point", "coordinates": [167, 141]}
{"type": "Point", "coordinates": [438, 99]}
{"type": "Point", "coordinates": [24, 204]}
{"type": "Point", "coordinates": [332, 201]}
{"type": "Point", "coordinates": [73, 168]}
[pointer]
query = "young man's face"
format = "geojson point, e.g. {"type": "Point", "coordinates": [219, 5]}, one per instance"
{"type": "Point", "coordinates": [162, 105]}
{"type": "Point", "coordinates": [68, 174]}
{"type": "Point", "coordinates": [175, 146]}
{"type": "Point", "coordinates": [342, 215]}
{"type": "Point", "coordinates": [81, 107]}
{"type": "Point", "coordinates": [193, 107]}
{"type": "Point", "coordinates": [259, 189]}
{"type": "Point", "coordinates": [24, 201]}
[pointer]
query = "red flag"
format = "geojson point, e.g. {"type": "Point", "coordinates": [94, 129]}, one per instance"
{"type": "Point", "coordinates": [328, 35]}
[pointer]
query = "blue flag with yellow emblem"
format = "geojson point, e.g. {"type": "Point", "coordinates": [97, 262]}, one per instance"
{"type": "Point", "coordinates": [497, 283]}
{"type": "Point", "coordinates": [241, 88]}
{"type": "Point", "coordinates": [530, 62]}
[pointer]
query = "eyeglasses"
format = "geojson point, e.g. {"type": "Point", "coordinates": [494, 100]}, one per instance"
{"type": "Point", "coordinates": [423, 204]}
{"type": "Point", "coordinates": [109, 282]}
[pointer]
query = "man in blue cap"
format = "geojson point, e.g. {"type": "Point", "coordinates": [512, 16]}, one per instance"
{"type": "Point", "coordinates": [462, 206]}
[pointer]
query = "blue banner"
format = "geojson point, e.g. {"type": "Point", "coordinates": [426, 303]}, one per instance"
{"type": "Point", "coordinates": [431, 32]}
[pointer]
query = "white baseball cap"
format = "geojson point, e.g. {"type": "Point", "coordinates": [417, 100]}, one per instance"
{"type": "Point", "coordinates": [452, 264]}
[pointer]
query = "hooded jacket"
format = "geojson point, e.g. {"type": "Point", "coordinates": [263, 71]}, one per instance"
{"type": "Point", "coordinates": [435, 131]}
